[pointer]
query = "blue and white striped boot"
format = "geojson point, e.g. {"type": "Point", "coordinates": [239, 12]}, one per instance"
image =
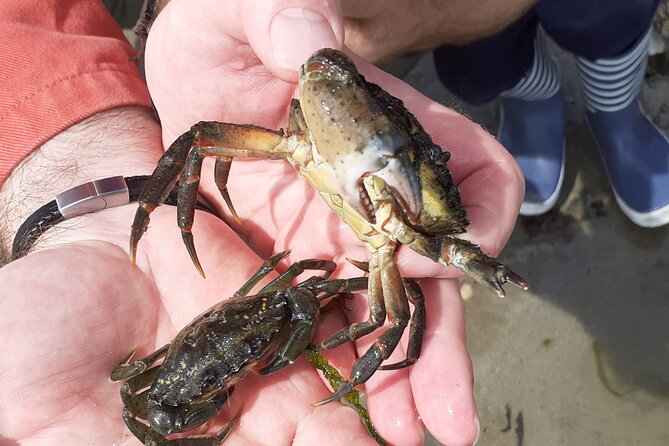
{"type": "Point", "coordinates": [532, 129]}
{"type": "Point", "coordinates": [634, 151]}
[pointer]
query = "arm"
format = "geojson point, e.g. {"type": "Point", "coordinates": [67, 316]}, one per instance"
{"type": "Point", "coordinates": [69, 62]}
{"type": "Point", "coordinates": [381, 31]}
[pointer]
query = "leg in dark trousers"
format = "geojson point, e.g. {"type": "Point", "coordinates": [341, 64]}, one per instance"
{"type": "Point", "coordinates": [609, 39]}
{"type": "Point", "coordinates": [592, 29]}
{"type": "Point", "coordinates": [479, 72]}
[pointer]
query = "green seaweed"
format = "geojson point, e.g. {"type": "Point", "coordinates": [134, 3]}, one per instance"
{"type": "Point", "coordinates": [351, 399]}
{"type": "Point", "coordinates": [601, 372]}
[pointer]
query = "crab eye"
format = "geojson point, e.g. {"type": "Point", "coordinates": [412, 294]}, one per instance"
{"type": "Point", "coordinates": [382, 160]}
{"type": "Point", "coordinates": [208, 379]}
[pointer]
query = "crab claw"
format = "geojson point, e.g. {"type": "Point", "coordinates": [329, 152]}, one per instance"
{"type": "Point", "coordinates": [487, 271]}
{"type": "Point", "coordinates": [468, 258]}
{"type": "Point", "coordinates": [366, 140]}
{"type": "Point", "coordinates": [492, 275]}
{"type": "Point", "coordinates": [400, 177]}
{"type": "Point", "coordinates": [379, 171]}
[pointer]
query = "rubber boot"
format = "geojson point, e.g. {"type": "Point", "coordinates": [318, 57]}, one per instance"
{"type": "Point", "coordinates": [532, 129]}
{"type": "Point", "coordinates": [635, 152]}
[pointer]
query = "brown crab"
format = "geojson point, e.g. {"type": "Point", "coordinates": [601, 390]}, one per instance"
{"type": "Point", "coordinates": [374, 165]}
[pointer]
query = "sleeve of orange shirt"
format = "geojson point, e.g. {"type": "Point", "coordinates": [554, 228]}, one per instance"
{"type": "Point", "coordinates": [60, 62]}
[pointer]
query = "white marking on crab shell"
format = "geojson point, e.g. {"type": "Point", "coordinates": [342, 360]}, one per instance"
{"type": "Point", "coordinates": [348, 171]}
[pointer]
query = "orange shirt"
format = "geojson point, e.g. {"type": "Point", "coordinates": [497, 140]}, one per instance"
{"type": "Point", "coordinates": [60, 62]}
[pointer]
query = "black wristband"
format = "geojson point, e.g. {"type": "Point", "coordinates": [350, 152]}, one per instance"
{"type": "Point", "coordinates": [83, 199]}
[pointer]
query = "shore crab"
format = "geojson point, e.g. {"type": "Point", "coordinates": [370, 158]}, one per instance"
{"type": "Point", "coordinates": [264, 333]}
{"type": "Point", "coordinates": [374, 165]}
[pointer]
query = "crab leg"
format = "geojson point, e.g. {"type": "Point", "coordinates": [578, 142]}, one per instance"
{"type": "Point", "coordinates": [416, 326]}
{"type": "Point", "coordinates": [221, 173]}
{"type": "Point", "coordinates": [383, 269]}
{"type": "Point", "coordinates": [183, 161]}
{"type": "Point", "coordinates": [267, 266]}
{"type": "Point", "coordinates": [468, 258]}
{"type": "Point", "coordinates": [377, 314]}
{"type": "Point", "coordinates": [138, 407]}
{"type": "Point", "coordinates": [133, 401]}
{"type": "Point", "coordinates": [137, 428]}
{"type": "Point", "coordinates": [159, 186]}
{"type": "Point", "coordinates": [136, 404]}
{"type": "Point", "coordinates": [339, 286]}
{"type": "Point", "coordinates": [220, 140]}
{"type": "Point", "coordinates": [298, 268]}
{"type": "Point", "coordinates": [149, 436]}
{"type": "Point", "coordinates": [125, 369]}
{"type": "Point", "coordinates": [203, 440]}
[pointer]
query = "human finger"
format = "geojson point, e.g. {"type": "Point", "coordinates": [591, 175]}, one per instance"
{"type": "Point", "coordinates": [234, 64]}
{"type": "Point", "coordinates": [442, 379]}
{"type": "Point", "coordinates": [285, 33]}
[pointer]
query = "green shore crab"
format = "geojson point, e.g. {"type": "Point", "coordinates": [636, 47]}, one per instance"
{"type": "Point", "coordinates": [263, 333]}
{"type": "Point", "coordinates": [374, 165]}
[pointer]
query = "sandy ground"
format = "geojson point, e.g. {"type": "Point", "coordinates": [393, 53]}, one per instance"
{"type": "Point", "coordinates": [583, 357]}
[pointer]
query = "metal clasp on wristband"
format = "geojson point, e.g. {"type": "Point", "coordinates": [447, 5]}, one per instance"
{"type": "Point", "coordinates": [93, 196]}
{"type": "Point", "coordinates": [84, 199]}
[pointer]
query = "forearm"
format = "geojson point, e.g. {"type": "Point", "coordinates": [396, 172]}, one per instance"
{"type": "Point", "coordinates": [73, 106]}
{"type": "Point", "coordinates": [379, 30]}
{"type": "Point", "coordinates": [124, 141]}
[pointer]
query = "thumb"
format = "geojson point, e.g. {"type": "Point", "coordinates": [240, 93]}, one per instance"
{"type": "Point", "coordinates": [283, 34]}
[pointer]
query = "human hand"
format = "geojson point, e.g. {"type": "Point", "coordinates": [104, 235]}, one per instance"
{"type": "Point", "coordinates": [225, 70]}
{"type": "Point", "coordinates": [74, 307]}
{"type": "Point", "coordinates": [380, 31]}
{"type": "Point", "coordinates": [77, 306]}
{"type": "Point", "coordinates": [71, 311]}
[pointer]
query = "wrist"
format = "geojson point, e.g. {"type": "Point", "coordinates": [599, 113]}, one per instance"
{"type": "Point", "coordinates": [124, 141]}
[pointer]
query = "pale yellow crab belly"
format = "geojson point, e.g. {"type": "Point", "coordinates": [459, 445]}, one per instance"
{"type": "Point", "coordinates": [313, 168]}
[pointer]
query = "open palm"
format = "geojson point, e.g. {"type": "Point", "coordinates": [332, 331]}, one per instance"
{"type": "Point", "coordinates": [68, 328]}
{"type": "Point", "coordinates": [221, 77]}
{"type": "Point", "coordinates": [88, 306]}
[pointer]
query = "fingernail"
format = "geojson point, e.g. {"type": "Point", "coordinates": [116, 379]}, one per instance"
{"type": "Point", "coordinates": [296, 34]}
